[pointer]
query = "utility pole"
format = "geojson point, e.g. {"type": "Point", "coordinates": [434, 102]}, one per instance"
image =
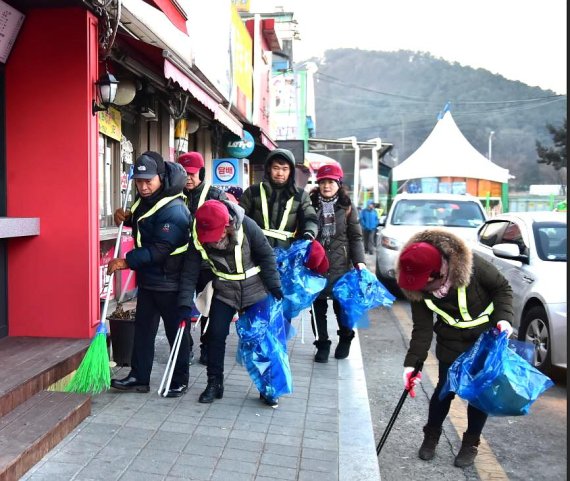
{"type": "Point", "coordinates": [491, 144]}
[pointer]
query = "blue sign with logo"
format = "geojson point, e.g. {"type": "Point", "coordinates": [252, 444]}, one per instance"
{"type": "Point", "coordinates": [226, 171]}
{"type": "Point", "coordinates": [239, 148]}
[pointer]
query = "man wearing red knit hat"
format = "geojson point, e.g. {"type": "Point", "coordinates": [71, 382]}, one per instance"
{"type": "Point", "coordinates": [197, 191]}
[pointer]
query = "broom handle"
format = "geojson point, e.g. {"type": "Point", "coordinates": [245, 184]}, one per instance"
{"type": "Point", "coordinates": [116, 250]}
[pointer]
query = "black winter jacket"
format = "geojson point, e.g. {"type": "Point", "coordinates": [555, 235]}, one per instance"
{"type": "Point", "coordinates": [256, 251]}
{"type": "Point", "coordinates": [302, 218]}
{"type": "Point", "coordinates": [193, 196]}
{"type": "Point", "coordinates": [161, 234]}
{"type": "Point", "coordinates": [484, 284]}
{"type": "Point", "coordinates": [346, 248]}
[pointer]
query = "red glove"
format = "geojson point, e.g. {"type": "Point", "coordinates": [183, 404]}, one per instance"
{"type": "Point", "coordinates": [317, 258]}
{"type": "Point", "coordinates": [411, 382]}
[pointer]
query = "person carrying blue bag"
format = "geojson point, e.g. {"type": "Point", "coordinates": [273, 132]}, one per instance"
{"type": "Point", "coordinates": [445, 279]}
{"type": "Point", "coordinates": [245, 272]}
{"type": "Point", "coordinates": [340, 233]}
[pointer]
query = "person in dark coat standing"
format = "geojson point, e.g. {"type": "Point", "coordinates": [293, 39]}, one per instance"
{"type": "Point", "coordinates": [340, 234]}
{"type": "Point", "coordinates": [160, 221]}
{"type": "Point", "coordinates": [197, 191]}
{"type": "Point", "coordinates": [282, 210]}
{"type": "Point", "coordinates": [467, 295]}
{"type": "Point", "coordinates": [245, 272]}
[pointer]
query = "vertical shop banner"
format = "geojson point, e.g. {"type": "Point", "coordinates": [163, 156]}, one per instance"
{"type": "Point", "coordinates": [288, 106]}
{"type": "Point", "coordinates": [242, 71]}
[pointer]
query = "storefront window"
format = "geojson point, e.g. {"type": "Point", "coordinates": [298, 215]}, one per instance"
{"type": "Point", "coordinates": [109, 179]}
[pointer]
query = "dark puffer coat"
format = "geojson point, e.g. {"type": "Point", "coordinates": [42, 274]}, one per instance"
{"type": "Point", "coordinates": [161, 233]}
{"type": "Point", "coordinates": [484, 284]}
{"type": "Point", "coordinates": [302, 218]}
{"type": "Point", "coordinates": [345, 249]}
{"type": "Point", "coordinates": [193, 196]}
{"type": "Point", "coordinates": [256, 251]}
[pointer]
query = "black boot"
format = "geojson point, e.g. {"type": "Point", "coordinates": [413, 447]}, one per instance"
{"type": "Point", "coordinates": [431, 438]}
{"type": "Point", "coordinates": [203, 355]}
{"type": "Point", "coordinates": [323, 351]}
{"type": "Point", "coordinates": [466, 455]}
{"type": "Point", "coordinates": [343, 348]}
{"type": "Point", "coordinates": [214, 390]}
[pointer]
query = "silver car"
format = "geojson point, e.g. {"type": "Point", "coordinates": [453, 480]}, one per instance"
{"type": "Point", "coordinates": [530, 249]}
{"type": "Point", "coordinates": [411, 213]}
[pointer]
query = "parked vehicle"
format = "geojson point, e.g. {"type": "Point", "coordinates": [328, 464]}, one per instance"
{"type": "Point", "coordinates": [411, 213]}
{"type": "Point", "coordinates": [530, 249]}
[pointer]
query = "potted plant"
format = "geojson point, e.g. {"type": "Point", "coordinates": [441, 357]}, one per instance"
{"type": "Point", "coordinates": [122, 329]}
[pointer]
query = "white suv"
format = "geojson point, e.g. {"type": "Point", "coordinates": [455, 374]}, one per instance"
{"type": "Point", "coordinates": [411, 213]}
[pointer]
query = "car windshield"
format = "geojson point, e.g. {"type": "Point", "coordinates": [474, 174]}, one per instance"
{"type": "Point", "coordinates": [551, 241]}
{"type": "Point", "coordinates": [437, 213]}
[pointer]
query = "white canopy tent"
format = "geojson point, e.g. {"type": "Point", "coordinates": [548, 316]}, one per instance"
{"type": "Point", "coordinates": [447, 153]}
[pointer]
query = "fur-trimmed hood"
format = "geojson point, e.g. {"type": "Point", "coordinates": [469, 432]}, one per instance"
{"type": "Point", "coordinates": [454, 249]}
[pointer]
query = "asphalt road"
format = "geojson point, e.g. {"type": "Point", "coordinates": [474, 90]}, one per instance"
{"type": "Point", "coordinates": [530, 447]}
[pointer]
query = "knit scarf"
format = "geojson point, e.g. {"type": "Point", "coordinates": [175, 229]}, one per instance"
{"type": "Point", "coordinates": [327, 222]}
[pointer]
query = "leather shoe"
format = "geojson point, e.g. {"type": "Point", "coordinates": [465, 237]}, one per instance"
{"type": "Point", "coordinates": [130, 383]}
{"type": "Point", "coordinates": [177, 390]}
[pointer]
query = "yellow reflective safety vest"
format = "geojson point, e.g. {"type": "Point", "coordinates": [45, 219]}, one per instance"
{"type": "Point", "coordinates": [279, 233]}
{"type": "Point", "coordinates": [202, 197]}
{"type": "Point", "coordinates": [240, 274]}
{"type": "Point", "coordinates": [466, 320]}
{"type": "Point", "coordinates": [161, 203]}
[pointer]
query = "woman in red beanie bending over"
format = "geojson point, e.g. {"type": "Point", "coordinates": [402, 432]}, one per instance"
{"type": "Point", "coordinates": [442, 277]}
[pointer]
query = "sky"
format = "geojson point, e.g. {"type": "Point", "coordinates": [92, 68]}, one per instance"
{"type": "Point", "coordinates": [521, 40]}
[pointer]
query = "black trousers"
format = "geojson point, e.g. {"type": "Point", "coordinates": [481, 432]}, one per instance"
{"type": "Point", "coordinates": [151, 306]}
{"type": "Point", "coordinates": [368, 238]}
{"type": "Point", "coordinates": [221, 316]}
{"type": "Point", "coordinates": [319, 319]}
{"type": "Point", "coordinates": [205, 276]}
{"type": "Point", "coordinates": [438, 410]}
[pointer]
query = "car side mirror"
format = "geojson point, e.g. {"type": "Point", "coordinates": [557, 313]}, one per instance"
{"type": "Point", "coordinates": [509, 251]}
{"type": "Point", "coordinates": [382, 221]}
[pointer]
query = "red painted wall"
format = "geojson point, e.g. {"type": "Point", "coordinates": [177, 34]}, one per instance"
{"type": "Point", "coordinates": [51, 152]}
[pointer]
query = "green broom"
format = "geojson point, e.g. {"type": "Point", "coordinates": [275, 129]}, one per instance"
{"type": "Point", "coordinates": [94, 374]}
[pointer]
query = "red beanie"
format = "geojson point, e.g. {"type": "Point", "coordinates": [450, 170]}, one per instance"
{"type": "Point", "coordinates": [417, 263]}
{"type": "Point", "coordinates": [212, 217]}
{"type": "Point", "coordinates": [330, 171]}
{"type": "Point", "coordinates": [191, 161]}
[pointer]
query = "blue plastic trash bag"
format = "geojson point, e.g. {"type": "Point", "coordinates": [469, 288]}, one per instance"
{"type": "Point", "coordinates": [262, 347]}
{"type": "Point", "coordinates": [494, 378]}
{"type": "Point", "coordinates": [300, 285]}
{"type": "Point", "coordinates": [358, 291]}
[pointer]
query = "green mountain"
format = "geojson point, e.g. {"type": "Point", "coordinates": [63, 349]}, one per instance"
{"type": "Point", "coordinates": [397, 96]}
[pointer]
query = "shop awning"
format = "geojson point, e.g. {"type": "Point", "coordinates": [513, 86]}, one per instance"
{"type": "Point", "coordinates": [207, 99]}
{"type": "Point", "coordinates": [262, 136]}
{"type": "Point", "coordinates": [154, 27]}
{"type": "Point", "coordinates": [173, 12]}
{"type": "Point", "coordinates": [161, 59]}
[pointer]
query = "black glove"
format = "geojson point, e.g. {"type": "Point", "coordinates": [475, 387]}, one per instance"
{"type": "Point", "coordinates": [308, 236]}
{"type": "Point", "coordinates": [185, 313]}
{"type": "Point", "coordinates": [277, 293]}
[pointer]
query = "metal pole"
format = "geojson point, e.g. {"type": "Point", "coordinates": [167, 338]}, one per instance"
{"type": "Point", "coordinates": [491, 144]}
{"type": "Point", "coordinates": [375, 167]}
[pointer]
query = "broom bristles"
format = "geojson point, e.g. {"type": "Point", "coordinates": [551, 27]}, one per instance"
{"type": "Point", "coordinates": [93, 374]}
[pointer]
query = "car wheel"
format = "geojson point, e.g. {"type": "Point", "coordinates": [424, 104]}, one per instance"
{"type": "Point", "coordinates": [535, 331]}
